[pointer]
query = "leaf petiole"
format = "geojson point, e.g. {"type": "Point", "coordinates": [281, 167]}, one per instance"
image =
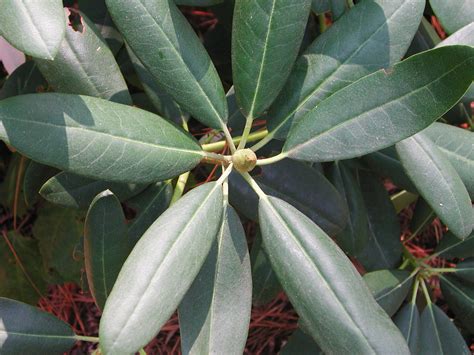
{"type": "Point", "coordinates": [272, 160]}
{"type": "Point", "coordinates": [85, 338]}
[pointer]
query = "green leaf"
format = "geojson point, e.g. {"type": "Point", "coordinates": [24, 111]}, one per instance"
{"type": "Point", "coordinates": [96, 138]}
{"type": "Point", "coordinates": [198, 2]}
{"type": "Point", "coordinates": [300, 344]}
{"type": "Point", "coordinates": [386, 163]}
{"type": "Point", "coordinates": [173, 54]}
{"type": "Point", "coordinates": [438, 333]}
{"type": "Point", "coordinates": [34, 27]}
{"type": "Point", "coordinates": [423, 215]}
{"type": "Point", "coordinates": [300, 185]}
{"type": "Point", "coordinates": [456, 144]}
{"type": "Point", "coordinates": [438, 183]}
{"type": "Point", "coordinates": [463, 36]}
{"type": "Point", "coordinates": [21, 277]}
{"type": "Point", "coordinates": [338, 8]}
{"type": "Point", "coordinates": [266, 37]}
{"type": "Point", "coordinates": [402, 200]}
{"type": "Point", "coordinates": [148, 205]}
{"type": "Point", "coordinates": [97, 12]}
{"type": "Point", "coordinates": [425, 38]}
{"type": "Point", "coordinates": [84, 65]}
{"type": "Point", "coordinates": [453, 14]}
{"type": "Point", "coordinates": [59, 232]}
{"type": "Point", "coordinates": [36, 175]}
{"type": "Point", "coordinates": [345, 53]}
{"type": "Point", "coordinates": [460, 298]}
{"type": "Point", "coordinates": [389, 288]}
{"type": "Point", "coordinates": [323, 286]}
{"type": "Point", "coordinates": [26, 79]}
{"type": "Point", "coordinates": [71, 190]}
{"type": "Point", "coordinates": [106, 245]}
{"type": "Point", "coordinates": [25, 329]}
{"type": "Point", "coordinates": [408, 321]}
{"type": "Point", "coordinates": [402, 101]}
{"type": "Point", "coordinates": [264, 281]}
{"type": "Point", "coordinates": [451, 247]}
{"type": "Point", "coordinates": [173, 249]}
{"type": "Point", "coordinates": [384, 249]}
{"type": "Point", "coordinates": [15, 166]}
{"type": "Point", "coordinates": [214, 315]}
{"type": "Point", "coordinates": [158, 97]}
{"type": "Point", "coordinates": [320, 6]}
{"type": "Point", "coordinates": [465, 270]}
{"type": "Point", "coordinates": [355, 236]}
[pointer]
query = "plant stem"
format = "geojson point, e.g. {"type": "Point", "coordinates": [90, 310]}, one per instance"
{"type": "Point", "coordinates": [228, 138]}
{"type": "Point", "coordinates": [218, 146]}
{"type": "Point", "coordinates": [179, 188]}
{"type": "Point", "coordinates": [253, 184]}
{"type": "Point", "coordinates": [84, 338]}
{"type": "Point", "coordinates": [442, 270]}
{"type": "Point", "coordinates": [245, 134]}
{"type": "Point", "coordinates": [415, 291]}
{"type": "Point", "coordinates": [425, 291]}
{"type": "Point", "coordinates": [225, 174]}
{"type": "Point", "coordinates": [271, 160]}
{"type": "Point", "coordinates": [142, 352]}
{"type": "Point", "coordinates": [269, 136]}
{"type": "Point", "coordinates": [322, 23]}
{"type": "Point", "coordinates": [213, 158]}
{"type": "Point", "coordinates": [405, 264]}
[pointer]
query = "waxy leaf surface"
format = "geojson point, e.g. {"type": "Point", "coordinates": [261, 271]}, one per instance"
{"type": "Point", "coordinates": [159, 270]}
{"type": "Point", "coordinates": [324, 287]}
{"type": "Point", "coordinates": [383, 108]}
{"type": "Point", "coordinates": [96, 138]}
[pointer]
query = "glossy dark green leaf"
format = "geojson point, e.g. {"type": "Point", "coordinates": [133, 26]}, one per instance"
{"type": "Point", "coordinates": [465, 270]}
{"type": "Point", "coordinates": [452, 247]}
{"type": "Point", "coordinates": [26, 79]}
{"type": "Point", "coordinates": [59, 232]}
{"type": "Point", "coordinates": [21, 281]}
{"type": "Point", "coordinates": [460, 297]}
{"type": "Point", "coordinates": [300, 185]}
{"type": "Point", "coordinates": [265, 285]}
{"type": "Point", "coordinates": [173, 248]}
{"type": "Point", "coordinates": [36, 175]}
{"type": "Point", "coordinates": [323, 286]}
{"type": "Point", "coordinates": [96, 138]}
{"type": "Point", "coordinates": [162, 102]}
{"type": "Point", "coordinates": [97, 12]}
{"type": "Point", "coordinates": [408, 321]}
{"type": "Point", "coordinates": [456, 144]}
{"type": "Point", "coordinates": [71, 190]}
{"type": "Point", "coordinates": [34, 27]}
{"type": "Point", "coordinates": [386, 163]}
{"type": "Point", "coordinates": [389, 288]}
{"type": "Point", "coordinates": [173, 54]}
{"type": "Point", "coordinates": [25, 329]}
{"type": "Point", "coordinates": [148, 206]}
{"type": "Point", "coordinates": [16, 166]}
{"type": "Point", "coordinates": [438, 183]}
{"type": "Point", "coordinates": [214, 315]}
{"type": "Point", "coordinates": [453, 14]}
{"type": "Point", "coordinates": [355, 236]}
{"type": "Point", "coordinates": [384, 249]}
{"type": "Point", "coordinates": [438, 333]}
{"type": "Point", "coordinates": [299, 343]}
{"type": "Point", "coordinates": [345, 53]}
{"type": "Point", "coordinates": [106, 245]}
{"type": "Point", "coordinates": [402, 101]}
{"type": "Point", "coordinates": [423, 215]}
{"type": "Point", "coordinates": [84, 65]}
{"type": "Point", "coordinates": [266, 37]}
{"type": "Point", "coordinates": [338, 8]}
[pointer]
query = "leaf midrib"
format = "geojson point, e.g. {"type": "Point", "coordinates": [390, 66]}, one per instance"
{"type": "Point", "coordinates": [351, 119]}
{"type": "Point", "coordinates": [91, 131]}
{"type": "Point", "coordinates": [8, 332]}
